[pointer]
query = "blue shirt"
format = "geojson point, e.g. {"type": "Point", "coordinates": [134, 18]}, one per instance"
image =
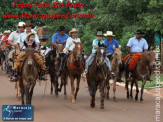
{"type": "Point", "coordinates": [137, 46]}
{"type": "Point", "coordinates": [109, 45]}
{"type": "Point", "coordinates": [95, 43]}
{"type": "Point", "coordinates": [60, 38]}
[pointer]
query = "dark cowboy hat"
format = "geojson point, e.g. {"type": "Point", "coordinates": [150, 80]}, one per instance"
{"type": "Point", "coordinates": [139, 32]}
{"type": "Point", "coordinates": [62, 28]}
{"type": "Point", "coordinates": [27, 24]}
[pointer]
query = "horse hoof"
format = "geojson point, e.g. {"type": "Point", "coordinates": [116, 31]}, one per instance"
{"type": "Point", "coordinates": [115, 100]}
{"type": "Point", "coordinates": [127, 97]}
{"type": "Point", "coordinates": [92, 105]}
{"type": "Point", "coordinates": [141, 99]}
{"type": "Point", "coordinates": [131, 97]}
{"type": "Point", "coordinates": [102, 107]}
{"type": "Point", "coordinates": [136, 98]}
{"type": "Point", "coordinates": [73, 101]}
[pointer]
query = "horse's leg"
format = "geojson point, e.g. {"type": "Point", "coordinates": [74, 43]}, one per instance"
{"type": "Point", "coordinates": [51, 79]}
{"type": "Point", "coordinates": [92, 94]}
{"type": "Point", "coordinates": [142, 89]}
{"type": "Point", "coordinates": [27, 95]}
{"type": "Point", "coordinates": [77, 87]}
{"type": "Point", "coordinates": [114, 89]}
{"type": "Point", "coordinates": [102, 94]}
{"type": "Point", "coordinates": [65, 83]}
{"type": "Point", "coordinates": [126, 86]}
{"type": "Point", "coordinates": [22, 94]}
{"type": "Point", "coordinates": [72, 89]}
{"type": "Point", "coordinates": [56, 86]}
{"type": "Point", "coordinates": [132, 83]}
{"type": "Point", "coordinates": [31, 94]}
{"type": "Point", "coordinates": [137, 90]}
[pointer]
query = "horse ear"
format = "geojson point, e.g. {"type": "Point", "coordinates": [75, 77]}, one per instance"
{"type": "Point", "coordinates": [74, 42]}
{"type": "Point", "coordinates": [25, 44]}
{"type": "Point", "coordinates": [153, 48]}
{"type": "Point", "coordinates": [33, 44]}
{"type": "Point", "coordinates": [120, 46]}
{"type": "Point", "coordinates": [114, 47]}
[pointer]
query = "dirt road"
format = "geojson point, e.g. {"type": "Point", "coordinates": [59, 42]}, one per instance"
{"type": "Point", "coordinates": [53, 109]}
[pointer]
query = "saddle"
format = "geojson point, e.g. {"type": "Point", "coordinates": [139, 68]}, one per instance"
{"type": "Point", "coordinates": [132, 61]}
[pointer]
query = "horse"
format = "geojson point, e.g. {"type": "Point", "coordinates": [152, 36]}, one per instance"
{"type": "Point", "coordinates": [55, 61]}
{"type": "Point", "coordinates": [3, 55]}
{"type": "Point", "coordinates": [141, 72]}
{"type": "Point", "coordinates": [116, 62]}
{"type": "Point", "coordinates": [75, 69]}
{"type": "Point", "coordinates": [98, 74]}
{"type": "Point", "coordinates": [28, 75]}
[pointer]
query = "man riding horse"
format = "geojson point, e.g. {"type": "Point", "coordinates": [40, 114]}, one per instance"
{"type": "Point", "coordinates": [12, 40]}
{"type": "Point", "coordinates": [136, 45]}
{"type": "Point", "coordinates": [96, 42]}
{"type": "Point", "coordinates": [25, 37]}
{"type": "Point", "coordinates": [58, 38]}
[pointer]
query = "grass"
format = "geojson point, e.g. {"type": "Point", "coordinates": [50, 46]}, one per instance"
{"type": "Point", "coordinates": [152, 84]}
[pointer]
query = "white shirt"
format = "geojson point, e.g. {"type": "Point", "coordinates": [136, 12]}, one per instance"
{"type": "Point", "coordinates": [22, 38]}
{"type": "Point", "coordinates": [69, 43]}
{"type": "Point", "coordinates": [14, 36]}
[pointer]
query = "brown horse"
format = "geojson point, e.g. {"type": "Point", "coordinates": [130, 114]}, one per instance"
{"type": "Point", "coordinates": [98, 75]}
{"type": "Point", "coordinates": [141, 72]}
{"type": "Point", "coordinates": [28, 75]}
{"type": "Point", "coordinates": [116, 62]}
{"type": "Point", "coordinates": [75, 68]}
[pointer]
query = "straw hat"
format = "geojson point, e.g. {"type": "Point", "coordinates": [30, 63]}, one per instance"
{"type": "Point", "coordinates": [109, 33]}
{"type": "Point", "coordinates": [7, 31]}
{"type": "Point", "coordinates": [21, 24]}
{"type": "Point", "coordinates": [28, 35]}
{"type": "Point", "coordinates": [73, 30]}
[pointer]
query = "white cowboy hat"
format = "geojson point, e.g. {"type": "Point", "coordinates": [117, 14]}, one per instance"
{"type": "Point", "coordinates": [109, 33]}
{"type": "Point", "coordinates": [7, 31]}
{"type": "Point", "coordinates": [73, 30]}
{"type": "Point", "coordinates": [21, 24]}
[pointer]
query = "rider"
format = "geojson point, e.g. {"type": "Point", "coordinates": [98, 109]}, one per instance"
{"type": "Point", "coordinates": [59, 37]}
{"type": "Point", "coordinates": [95, 47]}
{"type": "Point", "coordinates": [5, 39]}
{"type": "Point", "coordinates": [12, 40]}
{"type": "Point", "coordinates": [1, 34]}
{"type": "Point", "coordinates": [135, 45]}
{"type": "Point", "coordinates": [73, 37]}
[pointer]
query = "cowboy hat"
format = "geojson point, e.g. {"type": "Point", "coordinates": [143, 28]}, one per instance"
{"type": "Point", "coordinates": [27, 24]}
{"type": "Point", "coordinates": [62, 28]}
{"type": "Point", "coordinates": [73, 30]}
{"type": "Point", "coordinates": [21, 24]}
{"type": "Point", "coordinates": [28, 35]}
{"type": "Point", "coordinates": [99, 33]}
{"type": "Point", "coordinates": [139, 32]}
{"type": "Point", "coordinates": [109, 33]}
{"type": "Point", "coordinates": [7, 31]}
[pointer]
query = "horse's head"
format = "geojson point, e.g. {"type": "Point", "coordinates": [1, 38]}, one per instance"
{"type": "Point", "coordinates": [59, 50]}
{"type": "Point", "coordinates": [117, 56]}
{"type": "Point", "coordinates": [149, 58]}
{"type": "Point", "coordinates": [101, 55]}
{"type": "Point", "coordinates": [77, 51]}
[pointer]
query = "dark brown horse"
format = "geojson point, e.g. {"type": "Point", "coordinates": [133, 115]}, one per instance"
{"type": "Point", "coordinates": [116, 62]}
{"type": "Point", "coordinates": [28, 75]}
{"type": "Point", "coordinates": [75, 68]}
{"type": "Point", "coordinates": [141, 72]}
{"type": "Point", "coordinates": [98, 75]}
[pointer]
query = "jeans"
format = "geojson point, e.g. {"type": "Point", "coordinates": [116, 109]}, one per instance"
{"type": "Point", "coordinates": [90, 58]}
